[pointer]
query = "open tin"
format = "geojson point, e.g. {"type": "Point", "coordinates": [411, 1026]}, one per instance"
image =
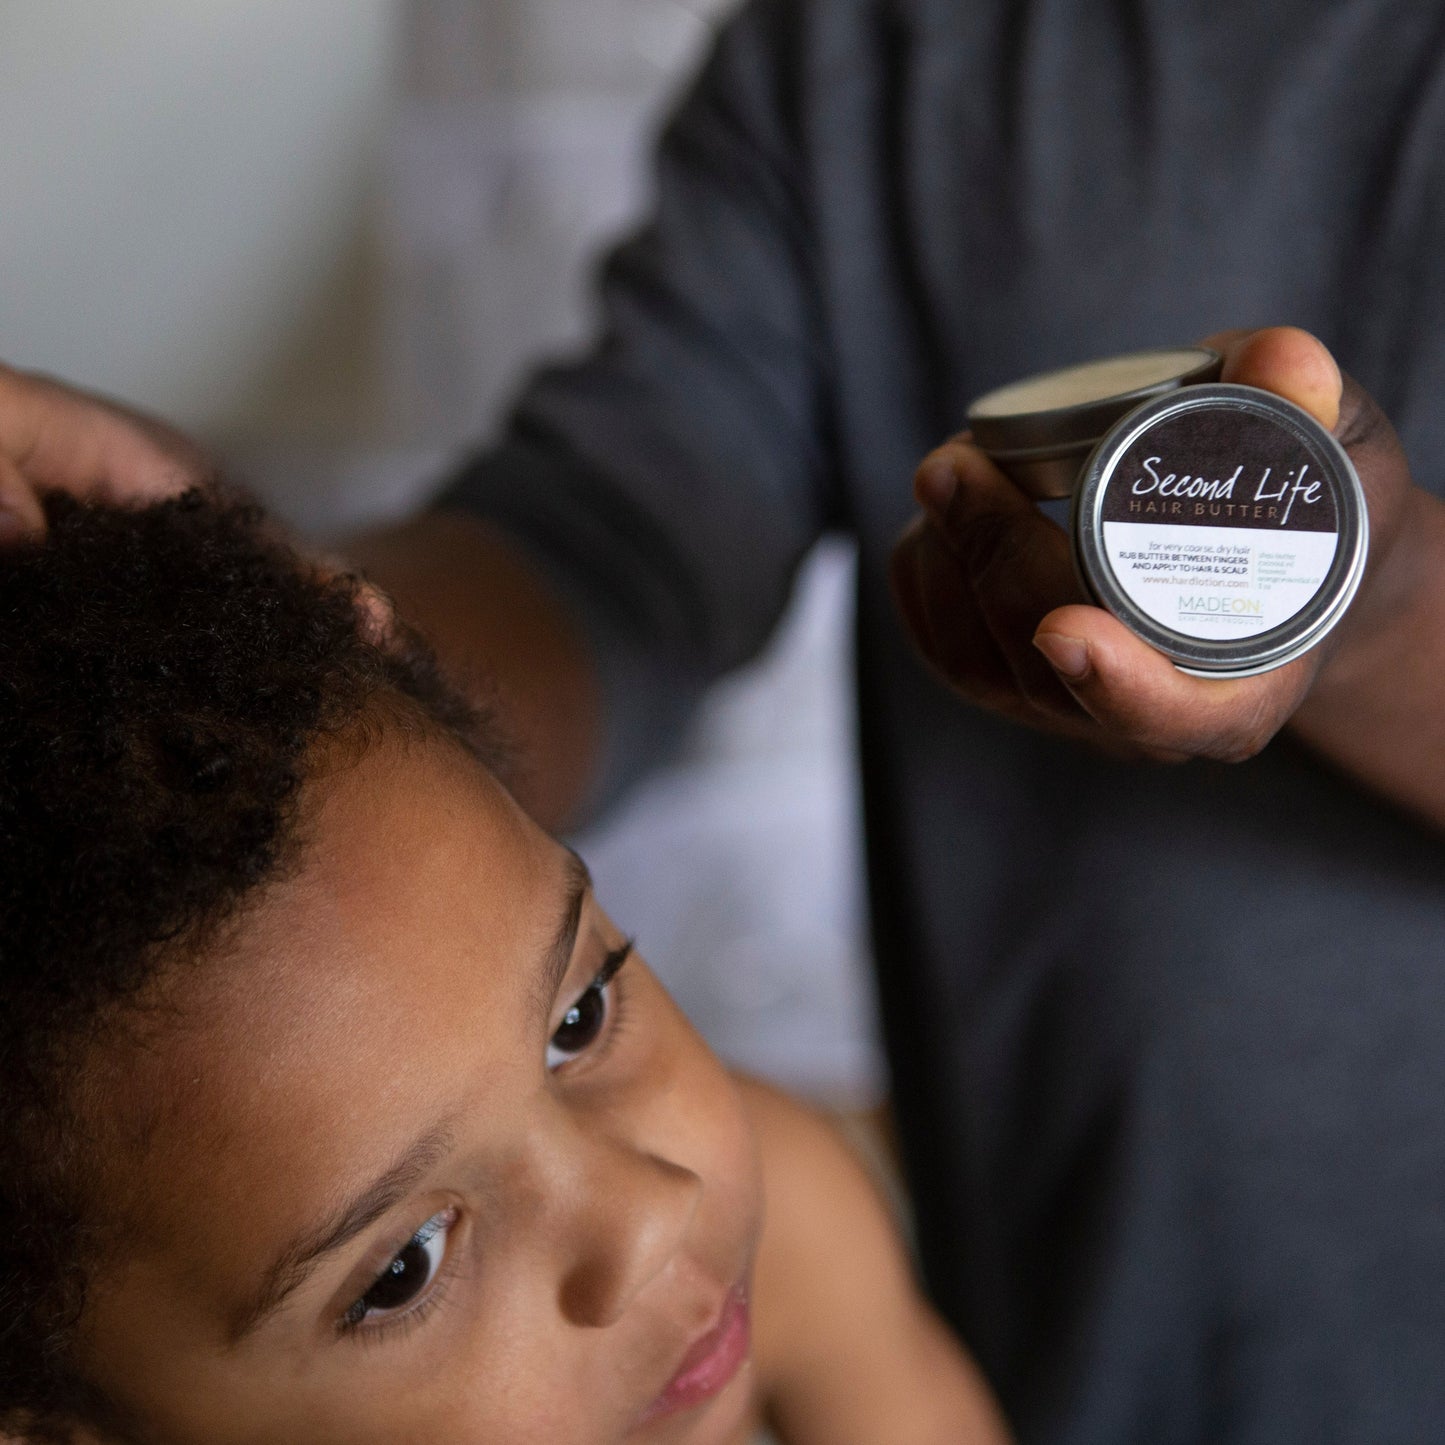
{"type": "Point", "coordinates": [1220, 523]}
{"type": "Point", "coordinates": [1041, 430]}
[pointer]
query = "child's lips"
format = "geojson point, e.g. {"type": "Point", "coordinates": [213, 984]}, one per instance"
{"type": "Point", "coordinates": [712, 1360]}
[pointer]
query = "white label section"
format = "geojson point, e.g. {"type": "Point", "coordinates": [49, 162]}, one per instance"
{"type": "Point", "coordinates": [1218, 583]}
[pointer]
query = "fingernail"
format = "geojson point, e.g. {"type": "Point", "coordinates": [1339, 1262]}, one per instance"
{"type": "Point", "coordinates": [1068, 656]}
{"type": "Point", "coordinates": [937, 487]}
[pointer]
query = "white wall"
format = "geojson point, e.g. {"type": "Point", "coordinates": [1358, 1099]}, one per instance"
{"type": "Point", "coordinates": [521, 147]}
{"type": "Point", "coordinates": [184, 188]}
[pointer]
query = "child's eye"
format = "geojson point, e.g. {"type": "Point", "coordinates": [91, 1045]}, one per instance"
{"type": "Point", "coordinates": [586, 1021]}
{"type": "Point", "coordinates": [408, 1275]}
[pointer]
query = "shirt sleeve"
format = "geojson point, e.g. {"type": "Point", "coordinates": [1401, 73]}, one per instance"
{"type": "Point", "coordinates": [669, 485]}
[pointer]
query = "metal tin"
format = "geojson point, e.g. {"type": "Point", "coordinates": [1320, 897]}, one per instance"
{"type": "Point", "coordinates": [1043, 445]}
{"type": "Point", "coordinates": [1224, 526]}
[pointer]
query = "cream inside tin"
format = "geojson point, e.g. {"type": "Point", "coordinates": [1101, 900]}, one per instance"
{"type": "Point", "coordinates": [1220, 523]}
{"type": "Point", "coordinates": [1041, 430]}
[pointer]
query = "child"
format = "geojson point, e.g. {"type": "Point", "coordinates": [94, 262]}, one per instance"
{"type": "Point", "coordinates": [337, 1108]}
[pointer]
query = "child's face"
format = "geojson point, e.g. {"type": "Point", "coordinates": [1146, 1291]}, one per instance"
{"type": "Point", "coordinates": [542, 1197]}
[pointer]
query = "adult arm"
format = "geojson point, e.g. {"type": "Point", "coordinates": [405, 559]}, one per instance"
{"type": "Point", "coordinates": [507, 637]}
{"type": "Point", "coordinates": [988, 590]}
{"type": "Point", "coordinates": [646, 510]}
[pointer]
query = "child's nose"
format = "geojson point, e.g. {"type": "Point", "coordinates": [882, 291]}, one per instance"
{"type": "Point", "coordinates": [631, 1218]}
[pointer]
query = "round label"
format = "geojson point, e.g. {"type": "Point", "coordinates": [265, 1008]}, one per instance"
{"type": "Point", "coordinates": [1219, 524]}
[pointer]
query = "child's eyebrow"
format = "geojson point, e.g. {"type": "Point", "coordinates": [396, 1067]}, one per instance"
{"type": "Point", "coordinates": [294, 1265]}
{"type": "Point", "coordinates": [559, 952]}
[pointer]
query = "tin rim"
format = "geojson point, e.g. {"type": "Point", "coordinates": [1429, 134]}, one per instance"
{"type": "Point", "coordinates": [1266, 650]}
{"type": "Point", "coordinates": [1081, 424]}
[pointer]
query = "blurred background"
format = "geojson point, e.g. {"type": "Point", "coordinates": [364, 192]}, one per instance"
{"type": "Point", "coordinates": [328, 237]}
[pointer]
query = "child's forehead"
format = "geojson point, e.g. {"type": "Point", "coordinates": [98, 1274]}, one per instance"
{"type": "Point", "coordinates": [410, 855]}
{"type": "Point", "coordinates": [393, 974]}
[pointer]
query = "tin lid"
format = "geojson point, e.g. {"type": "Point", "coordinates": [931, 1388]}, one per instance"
{"type": "Point", "coordinates": [1223, 525]}
{"type": "Point", "coordinates": [1072, 408]}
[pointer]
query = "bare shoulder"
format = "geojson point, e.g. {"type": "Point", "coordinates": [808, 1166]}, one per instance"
{"type": "Point", "coordinates": [848, 1350]}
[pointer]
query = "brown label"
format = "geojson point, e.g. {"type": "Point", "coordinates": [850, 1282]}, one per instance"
{"type": "Point", "coordinates": [1221, 467]}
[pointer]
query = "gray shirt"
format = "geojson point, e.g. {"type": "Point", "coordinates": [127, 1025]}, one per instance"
{"type": "Point", "coordinates": [1168, 1045]}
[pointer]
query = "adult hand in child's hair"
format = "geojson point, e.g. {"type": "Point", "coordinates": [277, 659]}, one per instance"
{"type": "Point", "coordinates": [56, 438]}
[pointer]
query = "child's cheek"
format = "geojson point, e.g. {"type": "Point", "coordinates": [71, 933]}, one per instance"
{"type": "Point", "coordinates": [706, 1121]}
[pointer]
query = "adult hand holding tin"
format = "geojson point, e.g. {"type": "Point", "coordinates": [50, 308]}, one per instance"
{"type": "Point", "coordinates": [988, 587]}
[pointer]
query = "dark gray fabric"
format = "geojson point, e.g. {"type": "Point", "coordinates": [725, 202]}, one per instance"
{"type": "Point", "coordinates": [1169, 1044]}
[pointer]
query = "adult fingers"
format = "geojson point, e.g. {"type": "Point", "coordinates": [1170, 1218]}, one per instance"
{"type": "Point", "coordinates": [20, 512]}
{"type": "Point", "coordinates": [1137, 694]}
{"type": "Point", "coordinates": [1016, 560]}
{"type": "Point", "coordinates": [941, 615]}
{"type": "Point", "coordinates": [1293, 364]}
{"type": "Point", "coordinates": [57, 437]}
{"type": "Point", "coordinates": [1289, 362]}
{"type": "Point", "coordinates": [1297, 366]}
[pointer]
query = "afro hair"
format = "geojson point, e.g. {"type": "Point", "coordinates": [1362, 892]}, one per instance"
{"type": "Point", "coordinates": [169, 675]}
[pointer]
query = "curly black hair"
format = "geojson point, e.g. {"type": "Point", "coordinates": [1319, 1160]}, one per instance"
{"type": "Point", "coordinates": [169, 678]}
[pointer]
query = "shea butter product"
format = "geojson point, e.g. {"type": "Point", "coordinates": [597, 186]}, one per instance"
{"type": "Point", "coordinates": [1042, 429]}
{"type": "Point", "coordinates": [1220, 523]}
